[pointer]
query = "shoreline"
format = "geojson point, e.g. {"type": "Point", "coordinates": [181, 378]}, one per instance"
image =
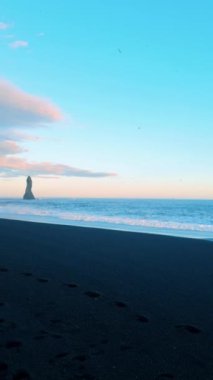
{"type": "Point", "coordinates": [184, 218]}
{"type": "Point", "coordinates": [86, 303]}
{"type": "Point", "coordinates": [178, 234]}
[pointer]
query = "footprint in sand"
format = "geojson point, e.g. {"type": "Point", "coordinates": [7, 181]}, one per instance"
{"type": "Point", "coordinates": [3, 368]}
{"type": "Point", "coordinates": [56, 336]}
{"type": "Point", "coordinates": [61, 355]}
{"type": "Point", "coordinates": [27, 274]}
{"type": "Point", "coordinates": [71, 285]}
{"type": "Point", "coordinates": [13, 344]}
{"type": "Point", "coordinates": [189, 328]}
{"type": "Point", "coordinates": [92, 294]}
{"type": "Point", "coordinates": [142, 318]}
{"type": "Point", "coordinates": [42, 280]}
{"type": "Point", "coordinates": [21, 375]}
{"type": "Point", "coordinates": [3, 269]}
{"type": "Point", "coordinates": [120, 304]}
{"type": "Point", "coordinates": [56, 321]}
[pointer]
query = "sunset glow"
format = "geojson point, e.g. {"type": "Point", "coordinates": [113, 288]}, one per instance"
{"type": "Point", "coordinates": [106, 100]}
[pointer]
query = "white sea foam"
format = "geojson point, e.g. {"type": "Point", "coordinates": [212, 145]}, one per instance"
{"type": "Point", "coordinates": [136, 222]}
{"type": "Point", "coordinates": [184, 218]}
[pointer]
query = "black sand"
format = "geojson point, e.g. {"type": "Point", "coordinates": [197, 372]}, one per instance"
{"type": "Point", "coordinates": [80, 303]}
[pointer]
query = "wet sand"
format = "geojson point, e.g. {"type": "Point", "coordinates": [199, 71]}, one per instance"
{"type": "Point", "coordinates": [84, 303]}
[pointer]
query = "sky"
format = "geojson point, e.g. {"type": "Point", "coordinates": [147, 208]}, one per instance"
{"type": "Point", "coordinates": [106, 98]}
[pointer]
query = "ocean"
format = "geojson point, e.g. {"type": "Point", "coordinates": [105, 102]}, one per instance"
{"type": "Point", "coordinates": [187, 218]}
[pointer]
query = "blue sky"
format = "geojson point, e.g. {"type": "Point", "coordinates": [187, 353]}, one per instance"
{"type": "Point", "coordinates": [133, 82]}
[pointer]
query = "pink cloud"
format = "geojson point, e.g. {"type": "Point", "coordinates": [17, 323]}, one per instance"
{"type": "Point", "coordinates": [10, 166]}
{"type": "Point", "coordinates": [19, 44]}
{"type": "Point", "coordinates": [21, 136]}
{"type": "Point", "coordinates": [19, 109]}
{"type": "Point", "coordinates": [10, 147]}
{"type": "Point", "coordinates": [4, 26]}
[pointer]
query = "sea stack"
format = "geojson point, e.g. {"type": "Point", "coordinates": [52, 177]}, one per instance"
{"type": "Point", "coordinates": [28, 192]}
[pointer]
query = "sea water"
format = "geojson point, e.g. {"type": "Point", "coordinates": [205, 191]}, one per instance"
{"type": "Point", "coordinates": [188, 218]}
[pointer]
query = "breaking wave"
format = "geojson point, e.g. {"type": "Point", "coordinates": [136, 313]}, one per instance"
{"type": "Point", "coordinates": [142, 216]}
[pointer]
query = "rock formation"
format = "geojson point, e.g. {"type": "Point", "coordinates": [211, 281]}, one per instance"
{"type": "Point", "coordinates": [28, 192]}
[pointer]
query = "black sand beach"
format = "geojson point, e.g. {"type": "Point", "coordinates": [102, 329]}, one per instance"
{"type": "Point", "coordinates": [92, 304]}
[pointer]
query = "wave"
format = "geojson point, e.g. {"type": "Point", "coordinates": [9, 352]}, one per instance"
{"type": "Point", "coordinates": [110, 221]}
{"type": "Point", "coordinates": [137, 222]}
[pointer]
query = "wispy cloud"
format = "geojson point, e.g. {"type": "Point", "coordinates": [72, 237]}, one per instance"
{"type": "Point", "coordinates": [13, 167]}
{"type": "Point", "coordinates": [20, 109]}
{"type": "Point", "coordinates": [19, 44]}
{"type": "Point", "coordinates": [18, 136]}
{"type": "Point", "coordinates": [4, 25]}
{"type": "Point", "coordinates": [21, 136]}
{"type": "Point", "coordinates": [10, 147]}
